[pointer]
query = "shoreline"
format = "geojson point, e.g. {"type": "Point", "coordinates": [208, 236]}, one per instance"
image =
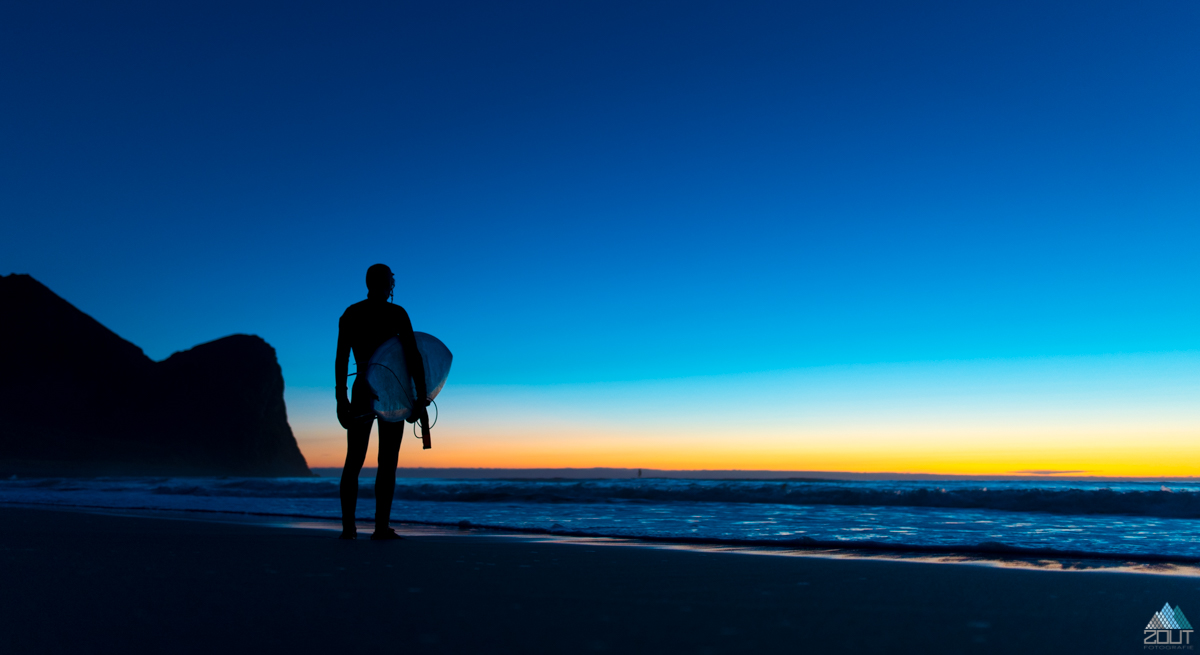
{"type": "Point", "coordinates": [984, 555]}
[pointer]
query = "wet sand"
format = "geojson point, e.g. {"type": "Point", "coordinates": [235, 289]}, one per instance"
{"type": "Point", "coordinates": [83, 583]}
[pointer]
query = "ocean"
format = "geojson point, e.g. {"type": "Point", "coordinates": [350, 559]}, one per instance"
{"type": "Point", "coordinates": [1138, 520]}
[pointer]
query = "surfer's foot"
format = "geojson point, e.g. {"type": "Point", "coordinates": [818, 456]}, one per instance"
{"type": "Point", "coordinates": [384, 534]}
{"type": "Point", "coordinates": [348, 534]}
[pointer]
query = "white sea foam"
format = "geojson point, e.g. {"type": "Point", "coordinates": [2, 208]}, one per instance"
{"type": "Point", "coordinates": [1131, 518]}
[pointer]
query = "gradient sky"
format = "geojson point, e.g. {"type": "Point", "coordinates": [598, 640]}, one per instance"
{"type": "Point", "coordinates": [871, 236]}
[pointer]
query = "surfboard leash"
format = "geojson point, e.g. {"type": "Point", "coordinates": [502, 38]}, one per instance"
{"type": "Point", "coordinates": [435, 418]}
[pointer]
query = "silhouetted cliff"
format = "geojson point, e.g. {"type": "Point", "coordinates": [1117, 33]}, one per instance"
{"type": "Point", "coordinates": [76, 399]}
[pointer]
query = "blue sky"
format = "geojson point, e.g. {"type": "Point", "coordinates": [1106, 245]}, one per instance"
{"type": "Point", "coordinates": [616, 192]}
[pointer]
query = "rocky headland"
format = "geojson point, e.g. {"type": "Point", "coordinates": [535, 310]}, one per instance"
{"type": "Point", "coordinates": [78, 400]}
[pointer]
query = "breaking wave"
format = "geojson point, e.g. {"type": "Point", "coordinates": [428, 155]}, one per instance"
{"type": "Point", "coordinates": [1055, 497]}
{"type": "Point", "coordinates": [1159, 502]}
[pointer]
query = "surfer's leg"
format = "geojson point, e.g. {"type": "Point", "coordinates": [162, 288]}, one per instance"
{"type": "Point", "coordinates": [385, 477]}
{"type": "Point", "coordinates": [357, 438]}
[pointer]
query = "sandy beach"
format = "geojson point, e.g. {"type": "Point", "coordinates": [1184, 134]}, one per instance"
{"type": "Point", "coordinates": [80, 582]}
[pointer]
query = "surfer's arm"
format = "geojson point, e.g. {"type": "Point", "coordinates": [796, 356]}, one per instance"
{"type": "Point", "coordinates": [416, 366]}
{"type": "Point", "coordinates": [341, 363]}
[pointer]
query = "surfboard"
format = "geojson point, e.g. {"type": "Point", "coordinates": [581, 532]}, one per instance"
{"type": "Point", "coordinates": [388, 375]}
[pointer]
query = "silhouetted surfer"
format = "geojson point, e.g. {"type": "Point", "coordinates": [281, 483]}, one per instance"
{"type": "Point", "coordinates": [363, 327]}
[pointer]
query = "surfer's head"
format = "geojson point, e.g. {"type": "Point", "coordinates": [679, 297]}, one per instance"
{"type": "Point", "coordinates": [380, 281]}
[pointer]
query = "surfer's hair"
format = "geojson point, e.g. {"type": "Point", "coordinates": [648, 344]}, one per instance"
{"type": "Point", "coordinates": [379, 277]}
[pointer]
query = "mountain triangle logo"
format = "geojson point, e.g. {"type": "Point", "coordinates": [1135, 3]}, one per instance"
{"type": "Point", "coordinates": [1169, 619]}
{"type": "Point", "coordinates": [1168, 629]}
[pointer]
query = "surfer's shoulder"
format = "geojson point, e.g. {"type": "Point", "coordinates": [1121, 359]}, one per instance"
{"type": "Point", "coordinates": [352, 310]}
{"type": "Point", "coordinates": [397, 311]}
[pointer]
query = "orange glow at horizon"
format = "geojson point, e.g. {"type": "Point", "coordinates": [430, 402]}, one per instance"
{"type": "Point", "coordinates": [1175, 454]}
{"type": "Point", "coordinates": [1120, 416]}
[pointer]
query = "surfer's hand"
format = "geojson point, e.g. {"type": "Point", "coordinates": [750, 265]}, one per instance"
{"type": "Point", "coordinates": [419, 414]}
{"type": "Point", "coordinates": [343, 413]}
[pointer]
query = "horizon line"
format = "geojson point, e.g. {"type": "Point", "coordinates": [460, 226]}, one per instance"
{"type": "Point", "coordinates": [761, 474]}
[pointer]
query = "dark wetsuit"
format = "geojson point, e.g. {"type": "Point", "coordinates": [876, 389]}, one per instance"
{"type": "Point", "coordinates": [364, 327]}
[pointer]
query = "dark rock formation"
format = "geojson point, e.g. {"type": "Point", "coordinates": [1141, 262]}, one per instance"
{"type": "Point", "coordinates": [76, 399]}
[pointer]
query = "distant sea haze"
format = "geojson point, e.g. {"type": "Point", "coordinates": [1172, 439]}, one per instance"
{"type": "Point", "coordinates": [606, 473]}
